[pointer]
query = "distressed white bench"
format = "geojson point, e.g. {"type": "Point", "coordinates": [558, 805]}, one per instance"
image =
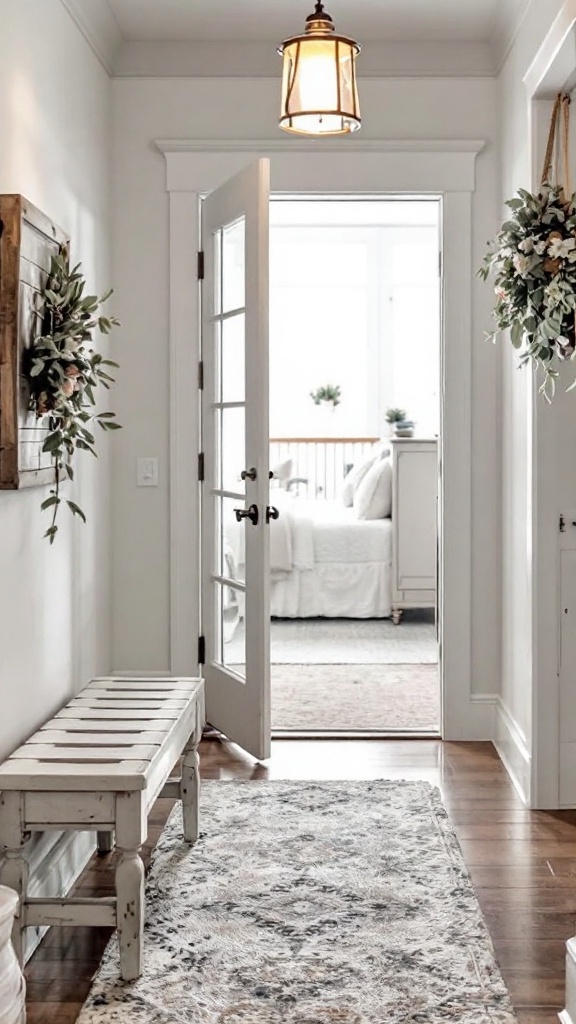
{"type": "Point", "coordinates": [99, 765]}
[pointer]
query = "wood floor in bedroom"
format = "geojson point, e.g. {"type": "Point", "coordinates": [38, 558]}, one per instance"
{"type": "Point", "coordinates": [523, 864]}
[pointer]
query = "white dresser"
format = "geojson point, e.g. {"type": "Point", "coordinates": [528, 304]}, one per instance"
{"type": "Point", "coordinates": [414, 523]}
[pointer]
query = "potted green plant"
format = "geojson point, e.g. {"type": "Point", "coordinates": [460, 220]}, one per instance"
{"type": "Point", "coordinates": [331, 393]}
{"type": "Point", "coordinates": [399, 423]}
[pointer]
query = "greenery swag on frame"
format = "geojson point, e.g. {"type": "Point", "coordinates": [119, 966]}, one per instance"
{"type": "Point", "coordinates": [534, 262]}
{"type": "Point", "coordinates": [63, 371]}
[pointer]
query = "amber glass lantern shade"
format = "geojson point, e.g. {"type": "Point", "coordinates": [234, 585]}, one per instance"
{"type": "Point", "coordinates": [319, 94]}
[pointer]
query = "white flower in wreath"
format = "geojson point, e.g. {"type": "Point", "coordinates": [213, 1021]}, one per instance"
{"type": "Point", "coordinates": [561, 248]}
{"type": "Point", "coordinates": [521, 264]}
{"type": "Point", "coordinates": [540, 248]}
{"type": "Point", "coordinates": [527, 245]}
{"type": "Point", "coordinates": [553, 294]}
{"type": "Point", "coordinates": [565, 346]}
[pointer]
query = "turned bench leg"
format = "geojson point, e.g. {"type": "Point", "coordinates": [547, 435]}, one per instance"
{"type": "Point", "coordinates": [190, 783]}
{"type": "Point", "coordinates": [190, 795]}
{"type": "Point", "coordinates": [130, 912]}
{"type": "Point", "coordinates": [131, 831]}
{"type": "Point", "coordinates": [14, 870]}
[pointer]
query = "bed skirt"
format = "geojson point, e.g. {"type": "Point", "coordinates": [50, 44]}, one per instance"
{"type": "Point", "coordinates": [334, 590]}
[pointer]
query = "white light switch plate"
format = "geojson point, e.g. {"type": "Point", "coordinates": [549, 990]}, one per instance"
{"type": "Point", "coordinates": [147, 472]}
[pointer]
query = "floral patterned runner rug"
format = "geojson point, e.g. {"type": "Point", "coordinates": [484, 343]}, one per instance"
{"type": "Point", "coordinates": [309, 903]}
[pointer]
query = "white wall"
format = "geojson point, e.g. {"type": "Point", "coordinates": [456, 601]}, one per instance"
{"type": "Point", "coordinates": [518, 448]}
{"type": "Point", "coordinates": [55, 150]}
{"type": "Point", "coordinates": [147, 109]}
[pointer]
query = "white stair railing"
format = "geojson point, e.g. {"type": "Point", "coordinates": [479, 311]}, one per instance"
{"type": "Point", "coordinates": [318, 464]}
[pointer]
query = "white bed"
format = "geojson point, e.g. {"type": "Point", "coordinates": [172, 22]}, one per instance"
{"type": "Point", "coordinates": [326, 562]}
{"type": "Point", "coordinates": [330, 558]}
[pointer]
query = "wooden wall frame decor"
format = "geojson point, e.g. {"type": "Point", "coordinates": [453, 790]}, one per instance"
{"type": "Point", "coordinates": [28, 240]}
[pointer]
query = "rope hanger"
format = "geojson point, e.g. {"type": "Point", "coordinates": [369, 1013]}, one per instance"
{"type": "Point", "coordinates": [561, 109]}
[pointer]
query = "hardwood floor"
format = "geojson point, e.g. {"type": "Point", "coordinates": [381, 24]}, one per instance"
{"type": "Point", "coordinates": [522, 863]}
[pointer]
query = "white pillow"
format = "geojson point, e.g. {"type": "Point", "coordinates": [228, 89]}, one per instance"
{"type": "Point", "coordinates": [282, 472]}
{"type": "Point", "coordinates": [373, 498]}
{"type": "Point", "coordinates": [354, 477]}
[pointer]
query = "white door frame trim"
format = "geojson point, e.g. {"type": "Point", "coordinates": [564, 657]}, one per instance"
{"type": "Point", "coordinates": [553, 70]}
{"type": "Point", "coordinates": [445, 168]}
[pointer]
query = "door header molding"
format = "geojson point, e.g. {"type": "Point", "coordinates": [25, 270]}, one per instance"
{"type": "Point", "coordinates": [321, 145]}
{"type": "Point", "coordinates": [374, 166]}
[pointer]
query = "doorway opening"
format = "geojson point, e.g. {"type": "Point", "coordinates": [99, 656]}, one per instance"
{"type": "Point", "coordinates": [355, 328]}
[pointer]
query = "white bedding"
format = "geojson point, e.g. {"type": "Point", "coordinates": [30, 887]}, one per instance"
{"type": "Point", "coordinates": [312, 532]}
{"type": "Point", "coordinates": [350, 572]}
{"type": "Point", "coordinates": [335, 590]}
{"type": "Point", "coordinates": [324, 561]}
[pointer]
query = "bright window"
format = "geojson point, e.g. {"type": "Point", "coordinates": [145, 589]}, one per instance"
{"type": "Point", "coordinates": [354, 302]}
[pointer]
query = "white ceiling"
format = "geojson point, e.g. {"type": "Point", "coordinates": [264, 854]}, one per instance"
{"type": "Point", "coordinates": [267, 20]}
{"type": "Point", "coordinates": [208, 38]}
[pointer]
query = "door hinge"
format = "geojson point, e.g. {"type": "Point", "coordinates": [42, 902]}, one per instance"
{"type": "Point", "coordinates": [562, 525]}
{"type": "Point", "coordinates": [201, 650]}
{"type": "Point", "coordinates": [201, 466]}
{"type": "Point", "coordinates": [200, 265]}
{"type": "Point", "coordinates": [200, 376]}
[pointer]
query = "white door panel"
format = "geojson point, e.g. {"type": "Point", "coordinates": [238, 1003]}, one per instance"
{"type": "Point", "coordinates": [235, 555]}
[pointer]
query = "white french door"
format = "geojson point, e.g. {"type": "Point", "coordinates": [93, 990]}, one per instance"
{"type": "Point", "coordinates": [235, 512]}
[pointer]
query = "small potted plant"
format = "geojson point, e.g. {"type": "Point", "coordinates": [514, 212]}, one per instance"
{"type": "Point", "coordinates": [401, 426]}
{"type": "Point", "coordinates": [331, 393]}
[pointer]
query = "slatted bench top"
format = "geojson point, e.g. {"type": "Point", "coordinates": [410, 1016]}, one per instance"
{"type": "Point", "coordinates": [116, 734]}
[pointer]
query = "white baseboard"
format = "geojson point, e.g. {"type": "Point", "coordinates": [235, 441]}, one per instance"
{"type": "Point", "coordinates": [56, 860]}
{"type": "Point", "coordinates": [568, 1015]}
{"type": "Point", "coordinates": [481, 723]}
{"type": "Point", "coordinates": [510, 742]}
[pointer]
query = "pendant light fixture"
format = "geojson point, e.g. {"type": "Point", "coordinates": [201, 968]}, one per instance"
{"type": "Point", "coordinates": [319, 95]}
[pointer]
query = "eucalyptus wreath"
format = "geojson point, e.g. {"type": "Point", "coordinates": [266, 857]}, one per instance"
{"type": "Point", "coordinates": [534, 262]}
{"type": "Point", "coordinates": [63, 372]}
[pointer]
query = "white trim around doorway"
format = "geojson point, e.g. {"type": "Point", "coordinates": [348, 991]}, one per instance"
{"type": "Point", "coordinates": [444, 168]}
{"type": "Point", "coordinates": [551, 781]}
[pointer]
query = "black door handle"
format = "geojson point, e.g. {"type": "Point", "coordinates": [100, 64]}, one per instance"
{"type": "Point", "coordinates": [247, 513]}
{"type": "Point", "coordinates": [272, 513]}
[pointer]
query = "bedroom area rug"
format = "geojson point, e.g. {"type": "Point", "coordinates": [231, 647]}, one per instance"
{"type": "Point", "coordinates": [309, 903]}
{"type": "Point", "coordinates": [362, 698]}
{"type": "Point", "coordinates": [347, 641]}
{"type": "Point", "coordinates": [351, 675]}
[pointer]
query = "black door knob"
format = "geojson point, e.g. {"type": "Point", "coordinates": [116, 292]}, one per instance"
{"type": "Point", "coordinates": [247, 513]}
{"type": "Point", "coordinates": [272, 513]}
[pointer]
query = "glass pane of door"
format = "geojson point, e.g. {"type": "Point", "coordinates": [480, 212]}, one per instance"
{"type": "Point", "coordinates": [227, 362]}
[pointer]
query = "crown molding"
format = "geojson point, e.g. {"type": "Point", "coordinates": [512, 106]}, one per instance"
{"type": "Point", "coordinates": [320, 145]}
{"type": "Point", "coordinates": [510, 16]}
{"type": "Point", "coordinates": [224, 59]}
{"type": "Point", "coordinates": [99, 27]}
